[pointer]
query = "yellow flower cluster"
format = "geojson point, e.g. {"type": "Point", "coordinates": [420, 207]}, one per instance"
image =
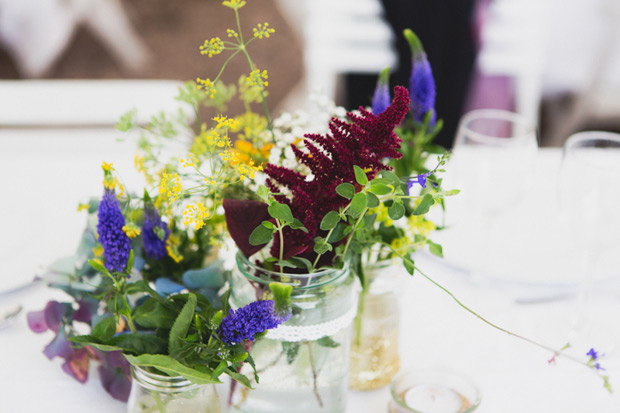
{"type": "Point", "coordinates": [224, 123]}
{"type": "Point", "coordinates": [258, 79]}
{"type": "Point", "coordinates": [234, 4]}
{"type": "Point", "coordinates": [232, 33]}
{"type": "Point", "coordinates": [191, 161]}
{"type": "Point", "coordinates": [382, 215]}
{"type": "Point", "coordinates": [207, 85]}
{"type": "Point", "coordinates": [195, 214]}
{"type": "Point", "coordinates": [247, 169]}
{"type": "Point", "coordinates": [420, 225]}
{"type": "Point", "coordinates": [401, 245]}
{"type": "Point", "coordinates": [246, 151]}
{"type": "Point", "coordinates": [263, 31]}
{"type": "Point", "coordinates": [172, 247]}
{"type": "Point", "coordinates": [98, 250]}
{"type": "Point", "coordinates": [212, 47]}
{"type": "Point", "coordinates": [83, 207]}
{"type": "Point", "coordinates": [250, 126]}
{"type": "Point", "coordinates": [107, 167]}
{"type": "Point", "coordinates": [171, 186]}
{"type": "Point", "coordinates": [131, 230]}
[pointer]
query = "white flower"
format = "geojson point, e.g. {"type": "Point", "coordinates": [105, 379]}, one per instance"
{"type": "Point", "coordinates": [288, 153]}
{"type": "Point", "coordinates": [289, 163]}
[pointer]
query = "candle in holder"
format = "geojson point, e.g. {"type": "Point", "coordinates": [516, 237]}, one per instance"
{"type": "Point", "coordinates": [433, 391]}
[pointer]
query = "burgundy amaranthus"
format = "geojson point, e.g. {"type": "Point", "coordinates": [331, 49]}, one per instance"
{"type": "Point", "coordinates": [366, 141]}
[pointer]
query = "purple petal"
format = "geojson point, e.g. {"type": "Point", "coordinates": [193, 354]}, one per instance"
{"type": "Point", "coordinates": [36, 321]}
{"type": "Point", "coordinates": [85, 311]}
{"type": "Point", "coordinates": [115, 382]}
{"type": "Point", "coordinates": [54, 312]}
{"type": "Point", "coordinates": [77, 365]}
{"type": "Point", "coordinates": [59, 347]}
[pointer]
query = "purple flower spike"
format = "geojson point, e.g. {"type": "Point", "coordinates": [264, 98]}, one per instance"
{"type": "Point", "coordinates": [247, 321]}
{"type": "Point", "coordinates": [116, 244]}
{"type": "Point", "coordinates": [154, 246]}
{"type": "Point", "coordinates": [421, 83]}
{"type": "Point", "coordinates": [382, 99]}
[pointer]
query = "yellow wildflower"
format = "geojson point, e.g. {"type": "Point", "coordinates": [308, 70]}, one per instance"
{"type": "Point", "coordinates": [83, 207]}
{"type": "Point", "coordinates": [232, 33]}
{"type": "Point", "coordinates": [207, 85]}
{"type": "Point", "coordinates": [420, 225]}
{"type": "Point", "coordinates": [172, 246]}
{"type": "Point", "coordinates": [191, 161]}
{"type": "Point", "coordinates": [258, 79]}
{"type": "Point", "coordinates": [234, 4]}
{"type": "Point", "coordinates": [195, 214]}
{"type": "Point", "coordinates": [401, 245]}
{"type": "Point", "coordinates": [263, 31]}
{"type": "Point", "coordinates": [98, 250]}
{"type": "Point", "coordinates": [212, 47]}
{"type": "Point", "coordinates": [224, 123]}
{"type": "Point", "coordinates": [107, 167]}
{"type": "Point", "coordinates": [170, 185]}
{"type": "Point", "coordinates": [131, 230]}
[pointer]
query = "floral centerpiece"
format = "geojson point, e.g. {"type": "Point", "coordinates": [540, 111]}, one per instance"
{"type": "Point", "coordinates": [155, 287]}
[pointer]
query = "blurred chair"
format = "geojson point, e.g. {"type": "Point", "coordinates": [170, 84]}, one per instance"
{"type": "Point", "coordinates": [345, 36]}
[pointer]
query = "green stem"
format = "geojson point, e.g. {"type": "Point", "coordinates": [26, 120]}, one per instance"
{"type": "Point", "coordinates": [315, 375]}
{"type": "Point", "coordinates": [352, 233]}
{"type": "Point", "coordinates": [160, 404]}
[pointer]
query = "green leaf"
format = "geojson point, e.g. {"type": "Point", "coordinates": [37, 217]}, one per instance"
{"type": "Point", "coordinates": [181, 325]}
{"type": "Point", "coordinates": [369, 221]}
{"type": "Point", "coordinates": [371, 200]}
{"type": "Point", "coordinates": [346, 190]}
{"type": "Point", "coordinates": [140, 343]}
{"type": "Point", "coordinates": [281, 212]}
{"type": "Point", "coordinates": [268, 224]}
{"type": "Point", "coordinates": [97, 266]}
{"type": "Point", "coordinates": [360, 175]}
{"type": "Point", "coordinates": [380, 189]}
{"type": "Point", "coordinates": [105, 329]}
{"type": "Point", "coordinates": [330, 220]}
{"type": "Point", "coordinates": [409, 265]}
{"type": "Point", "coordinates": [172, 367]}
{"type": "Point", "coordinates": [327, 342]}
{"type": "Point", "coordinates": [425, 205]}
{"type": "Point", "coordinates": [396, 211]}
{"type": "Point", "coordinates": [152, 314]}
{"type": "Point", "coordinates": [292, 350]}
{"type": "Point", "coordinates": [322, 247]}
{"type": "Point", "coordinates": [130, 261]}
{"type": "Point", "coordinates": [297, 224]}
{"type": "Point", "coordinates": [358, 204]}
{"type": "Point", "coordinates": [435, 248]}
{"type": "Point", "coordinates": [263, 192]}
{"type": "Point", "coordinates": [92, 341]}
{"type": "Point", "coordinates": [392, 177]}
{"type": "Point", "coordinates": [261, 235]}
{"type": "Point", "coordinates": [215, 321]}
{"type": "Point", "coordinates": [239, 377]}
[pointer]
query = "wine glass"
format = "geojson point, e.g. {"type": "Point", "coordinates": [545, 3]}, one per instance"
{"type": "Point", "coordinates": [493, 164]}
{"type": "Point", "coordinates": [589, 189]}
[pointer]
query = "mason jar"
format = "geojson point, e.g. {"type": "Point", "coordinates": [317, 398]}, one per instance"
{"type": "Point", "coordinates": [157, 393]}
{"type": "Point", "coordinates": [303, 364]}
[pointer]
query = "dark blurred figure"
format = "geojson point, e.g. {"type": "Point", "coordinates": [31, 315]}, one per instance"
{"type": "Point", "coordinates": [445, 29]}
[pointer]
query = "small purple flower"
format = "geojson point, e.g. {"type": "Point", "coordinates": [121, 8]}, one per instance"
{"type": "Point", "coordinates": [247, 321]}
{"type": "Point", "coordinates": [154, 244]}
{"type": "Point", "coordinates": [593, 354]}
{"type": "Point", "coordinates": [421, 82]}
{"type": "Point", "coordinates": [381, 98]}
{"type": "Point", "coordinates": [420, 179]}
{"type": "Point", "coordinates": [50, 318]}
{"type": "Point", "coordinates": [116, 244]}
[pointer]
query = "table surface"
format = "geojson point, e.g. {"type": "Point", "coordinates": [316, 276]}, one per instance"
{"type": "Point", "coordinates": [44, 174]}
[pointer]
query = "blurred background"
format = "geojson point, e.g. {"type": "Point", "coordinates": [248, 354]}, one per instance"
{"type": "Point", "coordinates": [557, 62]}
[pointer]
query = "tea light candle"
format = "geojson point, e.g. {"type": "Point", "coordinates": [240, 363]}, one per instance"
{"type": "Point", "coordinates": [433, 398]}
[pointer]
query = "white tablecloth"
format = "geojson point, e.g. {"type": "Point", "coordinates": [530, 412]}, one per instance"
{"type": "Point", "coordinates": [41, 187]}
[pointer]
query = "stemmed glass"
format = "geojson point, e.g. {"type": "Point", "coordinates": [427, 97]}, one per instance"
{"type": "Point", "coordinates": [589, 189]}
{"type": "Point", "coordinates": [493, 160]}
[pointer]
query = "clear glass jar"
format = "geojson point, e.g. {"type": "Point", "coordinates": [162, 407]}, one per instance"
{"type": "Point", "coordinates": [156, 393]}
{"type": "Point", "coordinates": [374, 352]}
{"type": "Point", "coordinates": [303, 364]}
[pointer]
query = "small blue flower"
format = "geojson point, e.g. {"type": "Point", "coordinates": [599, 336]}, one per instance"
{"type": "Point", "coordinates": [247, 321]}
{"type": "Point", "coordinates": [381, 98]}
{"type": "Point", "coordinates": [420, 179]}
{"type": "Point", "coordinates": [593, 354]}
{"type": "Point", "coordinates": [116, 244]}
{"type": "Point", "coordinates": [154, 243]}
{"type": "Point", "coordinates": [421, 82]}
